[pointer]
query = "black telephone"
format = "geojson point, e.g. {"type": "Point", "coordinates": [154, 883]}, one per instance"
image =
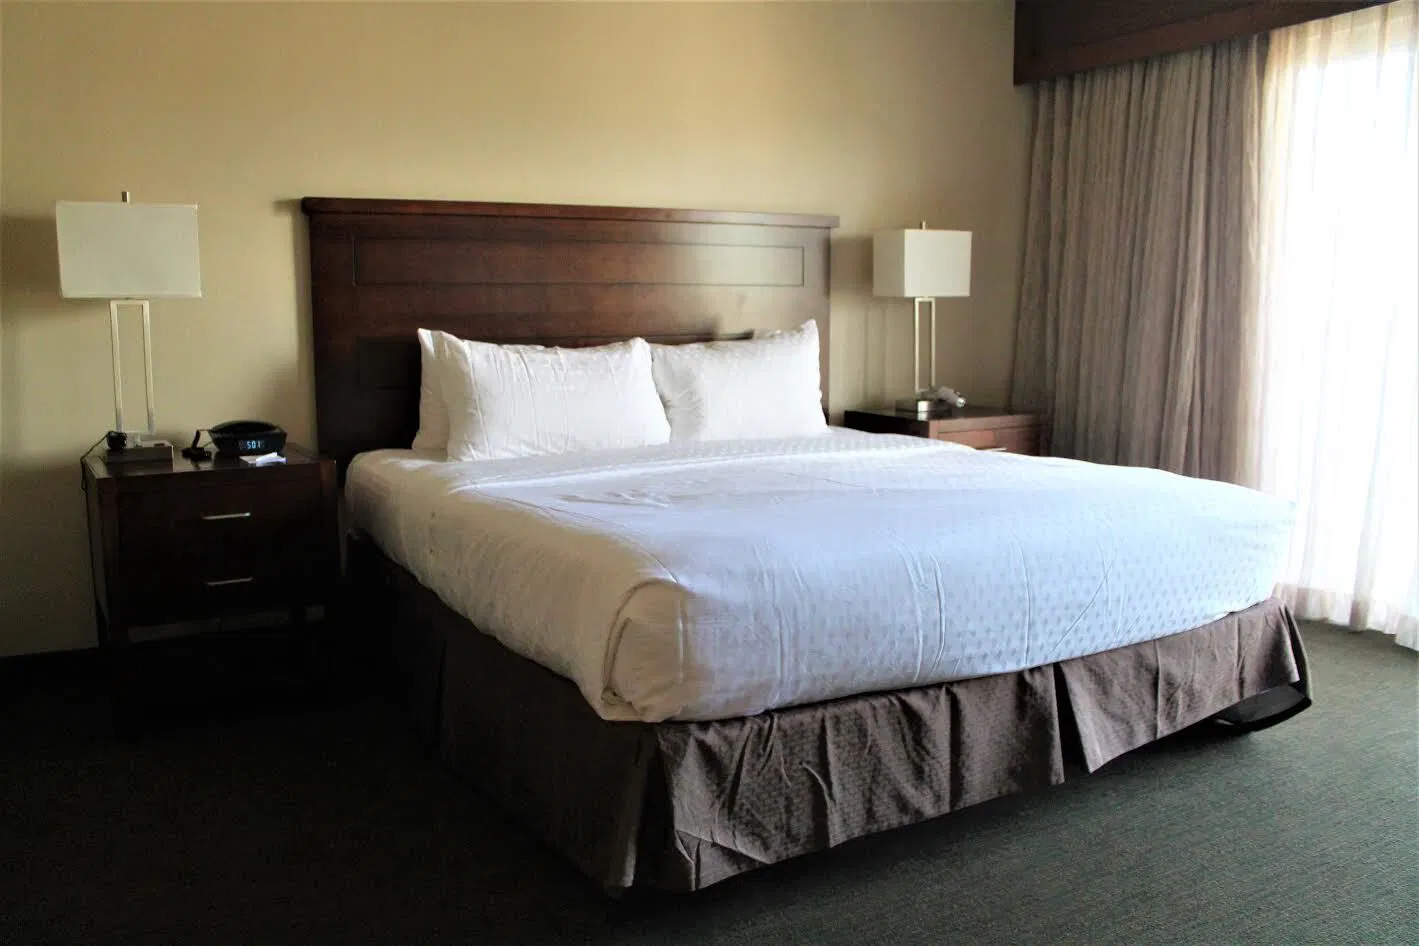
{"type": "Point", "coordinates": [239, 438]}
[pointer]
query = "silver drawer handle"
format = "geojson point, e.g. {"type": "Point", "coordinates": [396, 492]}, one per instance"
{"type": "Point", "coordinates": [227, 515]}
{"type": "Point", "coordinates": [992, 449]}
{"type": "Point", "coordinates": [228, 581]}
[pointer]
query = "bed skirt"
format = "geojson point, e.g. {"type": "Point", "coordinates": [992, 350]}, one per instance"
{"type": "Point", "coordinates": [681, 806]}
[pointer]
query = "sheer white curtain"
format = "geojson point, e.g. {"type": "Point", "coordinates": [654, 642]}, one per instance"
{"type": "Point", "coordinates": [1337, 398]}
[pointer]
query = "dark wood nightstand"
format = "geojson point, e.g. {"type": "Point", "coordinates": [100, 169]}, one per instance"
{"type": "Point", "coordinates": [985, 428]}
{"type": "Point", "coordinates": [187, 541]}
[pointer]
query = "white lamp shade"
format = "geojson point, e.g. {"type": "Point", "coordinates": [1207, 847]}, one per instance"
{"type": "Point", "coordinates": [111, 250]}
{"type": "Point", "coordinates": [919, 264]}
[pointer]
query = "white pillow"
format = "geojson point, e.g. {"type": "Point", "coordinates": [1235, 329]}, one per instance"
{"type": "Point", "coordinates": [433, 415]}
{"type": "Point", "coordinates": [754, 388]}
{"type": "Point", "coordinates": [525, 400]}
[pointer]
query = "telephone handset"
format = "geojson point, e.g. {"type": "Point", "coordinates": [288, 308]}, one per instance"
{"type": "Point", "coordinates": [948, 397]}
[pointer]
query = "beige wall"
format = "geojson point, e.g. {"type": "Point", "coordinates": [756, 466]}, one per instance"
{"type": "Point", "coordinates": [884, 114]}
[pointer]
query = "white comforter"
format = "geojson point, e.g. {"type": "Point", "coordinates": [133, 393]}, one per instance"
{"type": "Point", "coordinates": [705, 581]}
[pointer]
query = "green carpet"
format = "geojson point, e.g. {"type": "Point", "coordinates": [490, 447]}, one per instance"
{"type": "Point", "coordinates": [317, 821]}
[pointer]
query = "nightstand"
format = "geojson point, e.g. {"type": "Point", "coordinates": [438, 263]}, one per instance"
{"type": "Point", "coordinates": [186, 541]}
{"type": "Point", "coordinates": [985, 428]}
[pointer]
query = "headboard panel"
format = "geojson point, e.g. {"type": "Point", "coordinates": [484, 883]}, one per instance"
{"type": "Point", "coordinates": [533, 273]}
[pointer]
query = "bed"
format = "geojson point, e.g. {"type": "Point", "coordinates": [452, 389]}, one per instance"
{"type": "Point", "coordinates": [679, 767]}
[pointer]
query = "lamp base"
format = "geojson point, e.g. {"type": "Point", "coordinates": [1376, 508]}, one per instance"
{"type": "Point", "coordinates": [921, 405]}
{"type": "Point", "coordinates": [145, 452]}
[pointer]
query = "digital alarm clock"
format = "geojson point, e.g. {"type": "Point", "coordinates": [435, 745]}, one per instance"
{"type": "Point", "coordinates": [244, 438]}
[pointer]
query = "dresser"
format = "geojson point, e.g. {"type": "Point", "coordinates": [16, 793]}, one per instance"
{"type": "Point", "coordinates": [985, 428]}
{"type": "Point", "coordinates": [186, 541]}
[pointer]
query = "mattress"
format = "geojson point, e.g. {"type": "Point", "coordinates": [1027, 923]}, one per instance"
{"type": "Point", "coordinates": [713, 580]}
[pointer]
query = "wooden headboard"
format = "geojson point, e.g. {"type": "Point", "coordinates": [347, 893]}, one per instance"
{"type": "Point", "coordinates": [555, 275]}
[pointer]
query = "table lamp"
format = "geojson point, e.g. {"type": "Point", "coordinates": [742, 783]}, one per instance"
{"type": "Point", "coordinates": [921, 265]}
{"type": "Point", "coordinates": [128, 254]}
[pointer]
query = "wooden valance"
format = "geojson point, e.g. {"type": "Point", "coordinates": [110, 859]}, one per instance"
{"type": "Point", "coordinates": [1054, 38]}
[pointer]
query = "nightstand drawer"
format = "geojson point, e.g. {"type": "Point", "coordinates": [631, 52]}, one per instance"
{"type": "Point", "coordinates": [204, 522]}
{"type": "Point", "coordinates": [212, 583]}
{"type": "Point", "coordinates": [1009, 439]}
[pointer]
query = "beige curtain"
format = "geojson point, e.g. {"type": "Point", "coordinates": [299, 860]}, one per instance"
{"type": "Point", "coordinates": [1140, 260]}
